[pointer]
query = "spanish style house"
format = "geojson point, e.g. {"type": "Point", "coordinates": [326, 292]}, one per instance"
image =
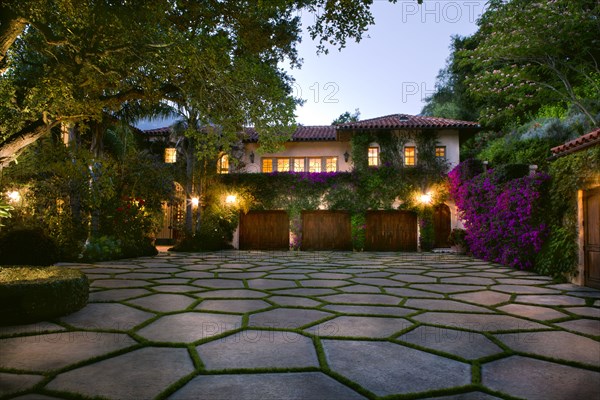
{"type": "Point", "coordinates": [390, 140]}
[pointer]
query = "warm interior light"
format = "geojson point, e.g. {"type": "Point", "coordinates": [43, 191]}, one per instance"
{"type": "Point", "coordinates": [425, 198]}
{"type": "Point", "coordinates": [170, 155]}
{"type": "Point", "coordinates": [230, 199]}
{"type": "Point", "coordinates": [14, 196]}
{"type": "Point", "coordinates": [195, 201]}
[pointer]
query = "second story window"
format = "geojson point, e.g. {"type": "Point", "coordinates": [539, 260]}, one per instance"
{"type": "Point", "coordinates": [440, 152]}
{"type": "Point", "coordinates": [373, 156]}
{"type": "Point", "coordinates": [283, 165]}
{"type": "Point", "coordinates": [267, 165]}
{"type": "Point", "coordinates": [409, 156]}
{"type": "Point", "coordinates": [331, 164]}
{"type": "Point", "coordinates": [223, 164]}
{"type": "Point", "coordinates": [298, 164]}
{"type": "Point", "coordinates": [314, 165]}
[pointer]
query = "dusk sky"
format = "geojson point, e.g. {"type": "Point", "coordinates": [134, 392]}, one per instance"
{"type": "Point", "coordinates": [391, 69]}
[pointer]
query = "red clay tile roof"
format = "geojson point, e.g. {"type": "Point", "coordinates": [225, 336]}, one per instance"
{"type": "Point", "coordinates": [302, 134]}
{"type": "Point", "coordinates": [166, 131]}
{"type": "Point", "coordinates": [404, 121]}
{"type": "Point", "coordinates": [582, 142]}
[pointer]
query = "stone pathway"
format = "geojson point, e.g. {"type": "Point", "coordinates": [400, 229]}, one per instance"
{"type": "Point", "coordinates": [287, 325]}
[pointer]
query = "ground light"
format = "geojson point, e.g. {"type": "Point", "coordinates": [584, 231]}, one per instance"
{"type": "Point", "coordinates": [14, 196]}
{"type": "Point", "coordinates": [231, 199]}
{"type": "Point", "coordinates": [195, 201]}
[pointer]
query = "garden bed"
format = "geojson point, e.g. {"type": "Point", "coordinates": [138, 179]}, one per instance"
{"type": "Point", "coordinates": [30, 294]}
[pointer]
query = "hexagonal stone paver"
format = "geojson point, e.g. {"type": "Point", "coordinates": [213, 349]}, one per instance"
{"type": "Point", "coordinates": [587, 326]}
{"type": "Point", "coordinates": [467, 396]}
{"type": "Point", "coordinates": [176, 288]}
{"type": "Point", "coordinates": [119, 283]}
{"type": "Point", "coordinates": [233, 306]}
{"type": "Point", "coordinates": [360, 289]}
{"type": "Point", "coordinates": [533, 379]}
{"type": "Point", "coordinates": [140, 374]}
{"type": "Point", "coordinates": [407, 292]}
{"type": "Point", "coordinates": [35, 396]}
{"type": "Point", "coordinates": [447, 287]}
{"type": "Point", "coordinates": [107, 316]}
{"type": "Point", "coordinates": [294, 301]}
{"type": "Point", "coordinates": [285, 386]}
{"type": "Point", "coordinates": [469, 280]}
{"type": "Point", "coordinates": [12, 383]}
{"type": "Point", "coordinates": [232, 294]}
{"type": "Point", "coordinates": [305, 291]}
{"type": "Point", "coordinates": [217, 283]}
{"type": "Point", "coordinates": [250, 349]}
{"type": "Point", "coordinates": [117, 294]}
{"type": "Point", "coordinates": [522, 289]}
{"type": "Point", "coordinates": [164, 302]}
{"type": "Point", "coordinates": [550, 300]}
{"type": "Point", "coordinates": [379, 282]}
{"type": "Point", "coordinates": [443, 305]}
{"type": "Point", "coordinates": [484, 297]}
{"type": "Point", "coordinates": [369, 327]}
{"type": "Point", "coordinates": [189, 327]}
{"type": "Point", "coordinates": [323, 283]}
{"type": "Point", "coordinates": [468, 345]}
{"type": "Point", "coordinates": [57, 350]}
{"type": "Point", "coordinates": [270, 284]}
{"type": "Point", "coordinates": [393, 311]}
{"type": "Point", "coordinates": [35, 328]}
{"type": "Point", "coordinates": [414, 278]}
{"type": "Point", "coordinates": [352, 298]}
{"type": "Point", "coordinates": [478, 322]}
{"type": "Point", "coordinates": [286, 318]}
{"type": "Point", "coordinates": [533, 312]}
{"type": "Point", "coordinates": [387, 368]}
{"type": "Point", "coordinates": [555, 344]}
{"type": "Point", "coordinates": [593, 312]}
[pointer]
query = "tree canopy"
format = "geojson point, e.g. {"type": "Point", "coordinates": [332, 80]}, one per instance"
{"type": "Point", "coordinates": [70, 62]}
{"type": "Point", "coordinates": [526, 55]}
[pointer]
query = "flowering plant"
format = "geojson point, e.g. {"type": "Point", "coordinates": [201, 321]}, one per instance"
{"type": "Point", "coordinates": [503, 221]}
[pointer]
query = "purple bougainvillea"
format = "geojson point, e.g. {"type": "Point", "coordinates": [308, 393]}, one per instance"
{"type": "Point", "coordinates": [503, 220]}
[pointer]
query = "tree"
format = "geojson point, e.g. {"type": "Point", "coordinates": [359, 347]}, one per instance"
{"type": "Point", "coordinates": [531, 54]}
{"type": "Point", "coordinates": [347, 117]}
{"type": "Point", "coordinates": [68, 63]}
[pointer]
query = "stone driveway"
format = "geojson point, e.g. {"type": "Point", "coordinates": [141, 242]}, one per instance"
{"type": "Point", "coordinates": [260, 325]}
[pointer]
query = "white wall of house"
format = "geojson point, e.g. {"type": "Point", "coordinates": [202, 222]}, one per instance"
{"type": "Point", "coordinates": [450, 139]}
{"type": "Point", "coordinates": [301, 149]}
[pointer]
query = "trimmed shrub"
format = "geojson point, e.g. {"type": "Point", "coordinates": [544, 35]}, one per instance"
{"type": "Point", "coordinates": [28, 247]}
{"type": "Point", "coordinates": [30, 294]}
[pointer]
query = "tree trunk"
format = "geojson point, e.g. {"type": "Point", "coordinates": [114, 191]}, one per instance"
{"type": "Point", "coordinates": [11, 26]}
{"type": "Point", "coordinates": [189, 185]}
{"type": "Point", "coordinates": [13, 146]}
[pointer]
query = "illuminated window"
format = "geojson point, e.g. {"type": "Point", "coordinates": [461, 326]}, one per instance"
{"type": "Point", "coordinates": [314, 165]}
{"type": "Point", "coordinates": [298, 164]}
{"type": "Point", "coordinates": [409, 156]}
{"type": "Point", "coordinates": [283, 164]}
{"type": "Point", "coordinates": [223, 164]}
{"type": "Point", "coordinates": [331, 164]}
{"type": "Point", "coordinates": [267, 165]}
{"type": "Point", "coordinates": [170, 155]}
{"type": "Point", "coordinates": [373, 156]}
{"type": "Point", "coordinates": [440, 152]}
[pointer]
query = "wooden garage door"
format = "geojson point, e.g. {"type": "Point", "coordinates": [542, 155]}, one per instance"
{"type": "Point", "coordinates": [441, 225]}
{"type": "Point", "coordinates": [592, 238]}
{"type": "Point", "coordinates": [391, 231]}
{"type": "Point", "coordinates": [326, 230]}
{"type": "Point", "coordinates": [265, 230]}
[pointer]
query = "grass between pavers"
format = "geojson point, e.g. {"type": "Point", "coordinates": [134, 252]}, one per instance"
{"type": "Point", "coordinates": [335, 314]}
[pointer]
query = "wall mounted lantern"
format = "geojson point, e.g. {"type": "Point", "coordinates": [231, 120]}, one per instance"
{"type": "Point", "coordinates": [346, 156]}
{"type": "Point", "coordinates": [252, 158]}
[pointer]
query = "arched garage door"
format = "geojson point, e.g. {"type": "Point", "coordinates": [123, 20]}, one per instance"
{"type": "Point", "coordinates": [265, 230]}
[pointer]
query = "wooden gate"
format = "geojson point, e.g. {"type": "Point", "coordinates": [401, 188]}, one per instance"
{"type": "Point", "coordinates": [591, 215]}
{"type": "Point", "coordinates": [441, 225]}
{"type": "Point", "coordinates": [326, 230]}
{"type": "Point", "coordinates": [265, 230]}
{"type": "Point", "coordinates": [391, 231]}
